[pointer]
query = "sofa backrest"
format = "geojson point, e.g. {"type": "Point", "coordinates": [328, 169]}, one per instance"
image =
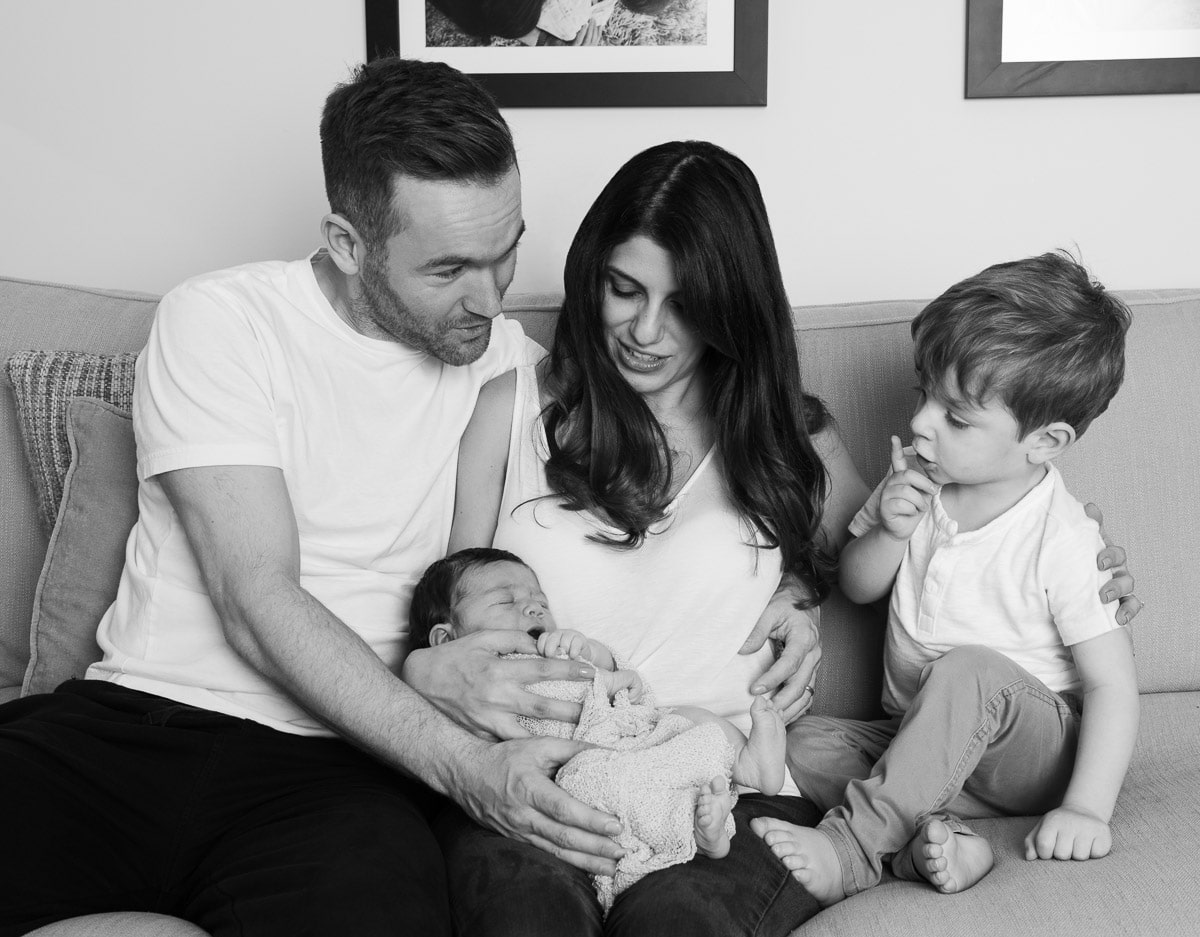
{"type": "Point", "coordinates": [1138, 460]}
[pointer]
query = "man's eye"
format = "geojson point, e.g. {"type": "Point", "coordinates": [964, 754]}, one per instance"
{"type": "Point", "coordinates": [448, 274]}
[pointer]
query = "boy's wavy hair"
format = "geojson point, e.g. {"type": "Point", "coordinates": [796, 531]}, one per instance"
{"type": "Point", "coordinates": [608, 454]}
{"type": "Point", "coordinates": [1038, 334]}
{"type": "Point", "coordinates": [406, 117]}
{"type": "Point", "coordinates": [437, 593]}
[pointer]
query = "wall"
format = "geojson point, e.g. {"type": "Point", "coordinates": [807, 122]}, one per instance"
{"type": "Point", "coordinates": [145, 141]}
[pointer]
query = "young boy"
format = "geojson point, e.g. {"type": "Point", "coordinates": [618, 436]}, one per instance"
{"type": "Point", "coordinates": [1011, 688]}
{"type": "Point", "coordinates": [487, 589]}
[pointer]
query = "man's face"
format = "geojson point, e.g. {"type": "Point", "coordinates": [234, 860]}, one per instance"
{"type": "Point", "coordinates": [436, 284]}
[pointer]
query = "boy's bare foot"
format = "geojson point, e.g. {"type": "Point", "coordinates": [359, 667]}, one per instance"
{"type": "Point", "coordinates": [808, 854]}
{"type": "Point", "coordinates": [761, 762]}
{"type": "Point", "coordinates": [950, 862]}
{"type": "Point", "coordinates": [713, 806]}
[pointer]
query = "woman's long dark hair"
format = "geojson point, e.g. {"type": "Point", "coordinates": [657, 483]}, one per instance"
{"type": "Point", "coordinates": [608, 453]}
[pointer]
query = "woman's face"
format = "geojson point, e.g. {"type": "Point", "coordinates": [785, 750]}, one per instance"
{"type": "Point", "coordinates": [645, 326]}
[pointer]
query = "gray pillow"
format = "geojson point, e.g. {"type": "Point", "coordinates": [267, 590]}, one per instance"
{"type": "Point", "coordinates": [87, 546]}
{"type": "Point", "coordinates": [43, 382]}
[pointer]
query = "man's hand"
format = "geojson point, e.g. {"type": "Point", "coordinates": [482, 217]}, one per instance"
{"type": "Point", "coordinates": [1121, 585]}
{"type": "Point", "coordinates": [468, 680]}
{"type": "Point", "coordinates": [797, 637]}
{"type": "Point", "coordinates": [509, 789]}
{"type": "Point", "coordinates": [1068, 833]}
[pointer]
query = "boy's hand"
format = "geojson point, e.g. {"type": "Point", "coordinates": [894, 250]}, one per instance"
{"type": "Point", "coordinates": [1068, 833]}
{"type": "Point", "coordinates": [906, 496]}
{"type": "Point", "coordinates": [565, 645]}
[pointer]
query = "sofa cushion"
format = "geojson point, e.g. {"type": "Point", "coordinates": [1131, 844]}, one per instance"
{"type": "Point", "coordinates": [1138, 888]}
{"type": "Point", "coordinates": [87, 548]}
{"type": "Point", "coordinates": [43, 383]}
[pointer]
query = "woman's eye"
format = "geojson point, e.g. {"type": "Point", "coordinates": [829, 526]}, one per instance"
{"type": "Point", "coordinates": [618, 289]}
{"type": "Point", "coordinates": [955, 421]}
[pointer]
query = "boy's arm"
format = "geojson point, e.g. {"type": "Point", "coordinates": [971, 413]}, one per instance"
{"type": "Point", "coordinates": [869, 563]}
{"type": "Point", "coordinates": [1108, 728]}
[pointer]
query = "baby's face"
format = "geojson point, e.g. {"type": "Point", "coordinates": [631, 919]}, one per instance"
{"type": "Point", "coordinates": [502, 597]}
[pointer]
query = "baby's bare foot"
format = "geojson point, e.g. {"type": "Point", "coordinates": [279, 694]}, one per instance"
{"type": "Point", "coordinates": [950, 862]}
{"type": "Point", "coordinates": [713, 806]}
{"type": "Point", "coordinates": [808, 854]}
{"type": "Point", "coordinates": [760, 763]}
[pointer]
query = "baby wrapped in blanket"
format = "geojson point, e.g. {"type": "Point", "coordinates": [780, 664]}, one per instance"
{"type": "Point", "coordinates": [664, 773]}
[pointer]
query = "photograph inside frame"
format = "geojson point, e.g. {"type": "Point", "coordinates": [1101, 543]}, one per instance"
{"type": "Point", "coordinates": [530, 23]}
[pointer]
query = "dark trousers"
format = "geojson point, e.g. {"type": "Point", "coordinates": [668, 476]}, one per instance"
{"type": "Point", "coordinates": [503, 888]}
{"type": "Point", "coordinates": [118, 800]}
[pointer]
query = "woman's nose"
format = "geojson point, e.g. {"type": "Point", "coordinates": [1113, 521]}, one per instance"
{"type": "Point", "coordinates": [648, 325]}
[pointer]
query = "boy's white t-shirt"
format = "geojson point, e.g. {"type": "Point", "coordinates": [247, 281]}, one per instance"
{"type": "Point", "coordinates": [252, 366]}
{"type": "Point", "coordinates": [1025, 584]}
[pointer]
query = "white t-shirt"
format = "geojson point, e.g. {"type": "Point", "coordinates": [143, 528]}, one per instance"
{"type": "Point", "coordinates": [677, 608]}
{"type": "Point", "coordinates": [252, 366]}
{"type": "Point", "coordinates": [1025, 585]}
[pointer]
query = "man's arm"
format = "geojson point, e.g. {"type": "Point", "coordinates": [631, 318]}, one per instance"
{"type": "Point", "coordinates": [240, 524]}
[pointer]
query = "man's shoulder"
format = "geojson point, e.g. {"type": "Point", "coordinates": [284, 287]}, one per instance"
{"type": "Point", "coordinates": [261, 274]}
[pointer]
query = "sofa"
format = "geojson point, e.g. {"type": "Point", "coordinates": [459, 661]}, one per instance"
{"type": "Point", "coordinates": [1138, 462]}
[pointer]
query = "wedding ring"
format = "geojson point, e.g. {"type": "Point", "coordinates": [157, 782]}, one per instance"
{"type": "Point", "coordinates": [810, 689]}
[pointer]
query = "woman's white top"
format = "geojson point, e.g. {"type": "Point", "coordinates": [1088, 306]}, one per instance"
{"type": "Point", "coordinates": [678, 607]}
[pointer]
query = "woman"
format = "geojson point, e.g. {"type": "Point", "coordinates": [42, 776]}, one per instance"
{"type": "Point", "coordinates": [670, 483]}
{"type": "Point", "coordinates": [661, 470]}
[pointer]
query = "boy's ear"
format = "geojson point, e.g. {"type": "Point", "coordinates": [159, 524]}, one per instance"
{"type": "Point", "coordinates": [440, 634]}
{"type": "Point", "coordinates": [1050, 442]}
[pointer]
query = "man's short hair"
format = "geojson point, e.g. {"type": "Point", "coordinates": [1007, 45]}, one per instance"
{"type": "Point", "coordinates": [406, 117]}
{"type": "Point", "coordinates": [1038, 334]}
{"type": "Point", "coordinates": [437, 593]}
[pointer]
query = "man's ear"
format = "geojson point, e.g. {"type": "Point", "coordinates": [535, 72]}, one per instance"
{"type": "Point", "coordinates": [345, 245]}
{"type": "Point", "coordinates": [1050, 442]}
{"type": "Point", "coordinates": [440, 634]}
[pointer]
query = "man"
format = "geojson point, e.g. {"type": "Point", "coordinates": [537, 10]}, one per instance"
{"type": "Point", "coordinates": [245, 755]}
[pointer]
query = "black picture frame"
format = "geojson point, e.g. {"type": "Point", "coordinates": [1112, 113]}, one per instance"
{"type": "Point", "coordinates": [744, 86]}
{"type": "Point", "coordinates": [988, 77]}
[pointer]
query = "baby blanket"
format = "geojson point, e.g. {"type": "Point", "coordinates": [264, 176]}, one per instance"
{"type": "Point", "coordinates": [648, 771]}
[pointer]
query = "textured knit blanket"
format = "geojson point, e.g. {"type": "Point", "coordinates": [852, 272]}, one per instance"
{"type": "Point", "coordinates": [649, 771]}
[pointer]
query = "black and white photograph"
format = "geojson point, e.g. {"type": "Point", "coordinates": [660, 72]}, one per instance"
{"type": "Point", "coordinates": [599, 468]}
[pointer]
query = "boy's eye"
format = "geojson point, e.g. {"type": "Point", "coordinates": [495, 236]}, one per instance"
{"type": "Point", "coordinates": [955, 421]}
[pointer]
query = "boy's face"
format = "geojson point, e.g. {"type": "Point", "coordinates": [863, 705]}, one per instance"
{"type": "Point", "coordinates": [959, 442]}
{"type": "Point", "coordinates": [500, 597]}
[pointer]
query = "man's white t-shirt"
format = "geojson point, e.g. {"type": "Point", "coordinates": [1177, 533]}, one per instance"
{"type": "Point", "coordinates": [1025, 584]}
{"type": "Point", "coordinates": [252, 366]}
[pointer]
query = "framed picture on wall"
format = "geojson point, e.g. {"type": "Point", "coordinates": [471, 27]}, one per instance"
{"type": "Point", "coordinates": [587, 53]}
{"type": "Point", "coordinates": [1020, 48]}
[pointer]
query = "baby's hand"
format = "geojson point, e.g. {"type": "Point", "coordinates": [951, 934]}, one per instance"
{"type": "Point", "coordinates": [906, 496]}
{"type": "Point", "coordinates": [565, 644]}
{"type": "Point", "coordinates": [1068, 833]}
{"type": "Point", "coordinates": [617, 680]}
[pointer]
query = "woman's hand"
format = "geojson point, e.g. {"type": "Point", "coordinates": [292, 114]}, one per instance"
{"type": "Point", "coordinates": [474, 685]}
{"type": "Point", "coordinates": [797, 636]}
{"type": "Point", "coordinates": [1121, 585]}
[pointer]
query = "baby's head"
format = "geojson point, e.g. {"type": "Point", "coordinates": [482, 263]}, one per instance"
{"type": "Point", "coordinates": [479, 589]}
{"type": "Point", "coordinates": [1037, 335]}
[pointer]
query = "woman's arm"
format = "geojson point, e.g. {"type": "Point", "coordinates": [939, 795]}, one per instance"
{"type": "Point", "coordinates": [787, 681]}
{"type": "Point", "coordinates": [482, 463]}
{"type": "Point", "coordinates": [1108, 728]}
